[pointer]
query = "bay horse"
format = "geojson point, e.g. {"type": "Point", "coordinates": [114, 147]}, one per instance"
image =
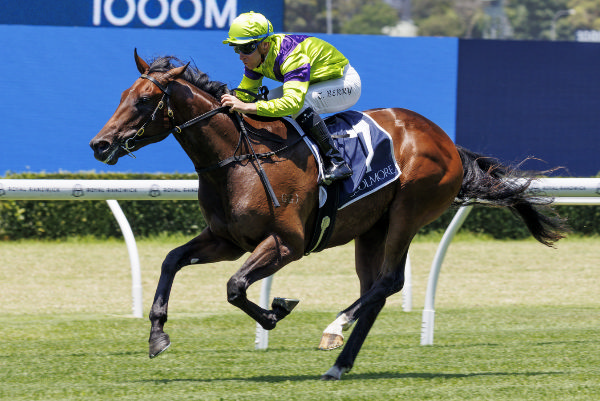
{"type": "Point", "coordinates": [234, 154]}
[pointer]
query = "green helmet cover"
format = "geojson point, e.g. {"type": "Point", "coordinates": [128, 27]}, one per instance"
{"type": "Point", "coordinates": [248, 27]}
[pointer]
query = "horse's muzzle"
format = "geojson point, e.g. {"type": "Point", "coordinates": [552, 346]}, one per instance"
{"type": "Point", "coordinates": [104, 151]}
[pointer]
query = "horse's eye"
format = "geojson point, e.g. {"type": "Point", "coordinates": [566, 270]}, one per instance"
{"type": "Point", "coordinates": [143, 102]}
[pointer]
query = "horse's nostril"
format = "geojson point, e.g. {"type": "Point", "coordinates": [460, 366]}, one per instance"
{"type": "Point", "coordinates": [100, 145]}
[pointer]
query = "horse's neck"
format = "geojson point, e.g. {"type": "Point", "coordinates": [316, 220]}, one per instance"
{"type": "Point", "coordinates": [208, 141]}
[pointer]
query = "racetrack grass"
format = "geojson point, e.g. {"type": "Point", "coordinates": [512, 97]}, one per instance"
{"type": "Point", "coordinates": [514, 321]}
{"type": "Point", "coordinates": [504, 353]}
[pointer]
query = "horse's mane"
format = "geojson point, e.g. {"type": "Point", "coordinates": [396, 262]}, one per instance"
{"type": "Point", "coordinates": [192, 74]}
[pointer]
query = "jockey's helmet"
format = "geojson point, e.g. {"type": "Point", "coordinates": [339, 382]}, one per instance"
{"type": "Point", "coordinates": [249, 27]}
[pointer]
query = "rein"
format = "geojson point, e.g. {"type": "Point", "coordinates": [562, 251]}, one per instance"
{"type": "Point", "coordinates": [235, 158]}
{"type": "Point", "coordinates": [177, 129]}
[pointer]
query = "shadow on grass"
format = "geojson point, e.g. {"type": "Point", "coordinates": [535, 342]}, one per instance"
{"type": "Point", "coordinates": [415, 375]}
{"type": "Point", "coordinates": [358, 376]}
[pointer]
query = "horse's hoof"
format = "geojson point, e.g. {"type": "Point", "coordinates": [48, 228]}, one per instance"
{"type": "Point", "coordinates": [334, 373]}
{"type": "Point", "coordinates": [159, 345]}
{"type": "Point", "coordinates": [283, 306]}
{"type": "Point", "coordinates": [286, 304]}
{"type": "Point", "coordinates": [331, 341]}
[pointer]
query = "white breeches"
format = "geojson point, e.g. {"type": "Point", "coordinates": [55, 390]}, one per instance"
{"type": "Point", "coordinates": [329, 96]}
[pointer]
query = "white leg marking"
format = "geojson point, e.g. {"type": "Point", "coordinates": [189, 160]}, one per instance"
{"type": "Point", "coordinates": [342, 323]}
{"type": "Point", "coordinates": [336, 372]}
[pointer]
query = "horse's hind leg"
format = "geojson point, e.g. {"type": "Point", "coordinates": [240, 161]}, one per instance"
{"type": "Point", "coordinates": [205, 248]}
{"type": "Point", "coordinates": [402, 228]}
{"type": "Point", "coordinates": [346, 358]}
{"type": "Point", "coordinates": [369, 253]}
{"type": "Point", "coordinates": [378, 281]}
{"type": "Point", "coordinates": [365, 313]}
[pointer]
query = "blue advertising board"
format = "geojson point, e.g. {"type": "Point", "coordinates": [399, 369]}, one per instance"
{"type": "Point", "coordinates": [170, 14]}
{"type": "Point", "coordinates": [60, 85]}
{"type": "Point", "coordinates": [520, 99]}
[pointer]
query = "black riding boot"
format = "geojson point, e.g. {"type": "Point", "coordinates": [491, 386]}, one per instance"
{"type": "Point", "coordinates": [335, 167]}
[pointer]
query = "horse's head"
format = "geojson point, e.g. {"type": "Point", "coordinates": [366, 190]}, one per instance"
{"type": "Point", "coordinates": [140, 117]}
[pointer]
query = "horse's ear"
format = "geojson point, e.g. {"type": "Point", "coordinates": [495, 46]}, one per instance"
{"type": "Point", "coordinates": [176, 72]}
{"type": "Point", "coordinates": [142, 66]}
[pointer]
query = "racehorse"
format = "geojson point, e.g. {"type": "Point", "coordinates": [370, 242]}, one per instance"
{"type": "Point", "coordinates": [258, 190]}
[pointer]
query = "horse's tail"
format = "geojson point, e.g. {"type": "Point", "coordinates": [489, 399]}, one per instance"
{"type": "Point", "coordinates": [488, 182]}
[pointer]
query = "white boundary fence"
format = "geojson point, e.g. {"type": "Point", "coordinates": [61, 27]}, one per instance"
{"type": "Point", "coordinates": [110, 191]}
{"type": "Point", "coordinates": [567, 191]}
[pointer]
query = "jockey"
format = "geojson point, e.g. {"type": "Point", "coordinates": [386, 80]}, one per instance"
{"type": "Point", "coordinates": [316, 78]}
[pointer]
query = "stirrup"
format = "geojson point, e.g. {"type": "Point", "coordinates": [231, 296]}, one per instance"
{"type": "Point", "coordinates": [336, 172]}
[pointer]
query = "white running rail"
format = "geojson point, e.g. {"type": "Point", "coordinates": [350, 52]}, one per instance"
{"type": "Point", "coordinates": [567, 191]}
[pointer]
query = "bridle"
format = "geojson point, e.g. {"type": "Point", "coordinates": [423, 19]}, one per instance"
{"type": "Point", "coordinates": [130, 143]}
{"type": "Point", "coordinates": [165, 100]}
{"type": "Point", "coordinates": [168, 114]}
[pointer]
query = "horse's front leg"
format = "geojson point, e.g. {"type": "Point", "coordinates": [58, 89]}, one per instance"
{"type": "Point", "coordinates": [205, 248]}
{"type": "Point", "coordinates": [270, 256]}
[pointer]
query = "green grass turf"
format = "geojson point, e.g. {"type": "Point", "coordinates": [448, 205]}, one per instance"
{"type": "Point", "coordinates": [503, 353]}
{"type": "Point", "coordinates": [514, 321]}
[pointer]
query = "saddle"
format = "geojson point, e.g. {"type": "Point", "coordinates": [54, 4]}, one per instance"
{"type": "Point", "coordinates": [368, 149]}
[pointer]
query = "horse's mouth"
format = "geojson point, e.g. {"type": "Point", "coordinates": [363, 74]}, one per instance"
{"type": "Point", "coordinates": [110, 161]}
{"type": "Point", "coordinates": [109, 152]}
{"type": "Point", "coordinates": [111, 155]}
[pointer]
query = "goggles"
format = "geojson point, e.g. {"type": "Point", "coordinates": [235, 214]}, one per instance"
{"type": "Point", "coordinates": [247, 48]}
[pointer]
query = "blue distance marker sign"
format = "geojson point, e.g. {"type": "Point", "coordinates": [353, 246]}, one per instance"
{"type": "Point", "coordinates": [169, 14]}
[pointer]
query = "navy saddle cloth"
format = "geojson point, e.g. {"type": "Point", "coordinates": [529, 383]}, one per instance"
{"type": "Point", "coordinates": [369, 151]}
